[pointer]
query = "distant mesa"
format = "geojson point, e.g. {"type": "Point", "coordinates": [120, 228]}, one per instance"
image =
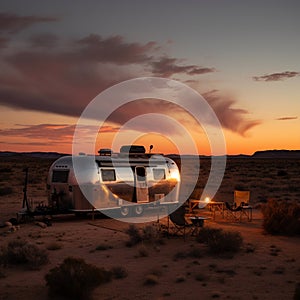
{"type": "Point", "coordinates": [32, 154]}
{"type": "Point", "coordinates": [277, 154]}
{"type": "Point", "coordinates": [294, 154]}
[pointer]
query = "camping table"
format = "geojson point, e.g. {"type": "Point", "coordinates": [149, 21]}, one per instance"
{"type": "Point", "coordinates": [198, 223]}
{"type": "Point", "coordinates": [216, 206]}
{"type": "Point", "coordinates": [193, 204]}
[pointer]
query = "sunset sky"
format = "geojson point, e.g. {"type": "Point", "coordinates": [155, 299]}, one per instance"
{"type": "Point", "coordinates": [243, 57]}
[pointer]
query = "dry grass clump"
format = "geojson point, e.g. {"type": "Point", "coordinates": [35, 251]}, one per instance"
{"type": "Point", "coordinates": [6, 190]}
{"type": "Point", "coordinates": [75, 279]}
{"type": "Point", "coordinates": [148, 234]}
{"type": "Point", "coordinates": [54, 246]}
{"type": "Point", "coordinates": [21, 252]}
{"type": "Point", "coordinates": [151, 279]}
{"type": "Point", "coordinates": [297, 292]}
{"type": "Point", "coordinates": [220, 241]}
{"type": "Point", "coordinates": [119, 272]}
{"type": "Point", "coordinates": [281, 217]}
{"type": "Point", "coordinates": [102, 247]}
{"type": "Point", "coordinates": [193, 253]}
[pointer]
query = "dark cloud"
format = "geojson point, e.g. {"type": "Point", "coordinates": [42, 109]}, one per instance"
{"type": "Point", "coordinates": [167, 66]}
{"type": "Point", "coordinates": [234, 119]}
{"type": "Point", "coordinates": [286, 118]}
{"type": "Point", "coordinates": [276, 76]}
{"type": "Point", "coordinates": [51, 133]}
{"type": "Point", "coordinates": [41, 131]}
{"type": "Point", "coordinates": [3, 42]}
{"type": "Point", "coordinates": [115, 50]}
{"type": "Point", "coordinates": [46, 40]}
{"type": "Point", "coordinates": [13, 23]}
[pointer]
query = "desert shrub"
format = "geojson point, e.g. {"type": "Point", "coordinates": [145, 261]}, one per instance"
{"type": "Point", "coordinates": [151, 235]}
{"type": "Point", "coordinates": [151, 279]}
{"type": "Point", "coordinates": [195, 253]}
{"type": "Point", "coordinates": [281, 217]}
{"type": "Point", "coordinates": [102, 247]}
{"type": "Point", "coordinates": [143, 251]}
{"type": "Point", "coordinates": [2, 274]}
{"type": "Point", "coordinates": [119, 272]}
{"type": "Point", "coordinates": [148, 234]}
{"type": "Point", "coordinates": [282, 173]}
{"type": "Point", "coordinates": [297, 292]}
{"type": "Point", "coordinates": [135, 236]}
{"type": "Point", "coordinates": [5, 170]}
{"type": "Point", "coordinates": [22, 252]}
{"type": "Point", "coordinates": [7, 190]}
{"type": "Point", "coordinates": [75, 279]}
{"type": "Point", "coordinates": [54, 246]}
{"type": "Point", "coordinates": [219, 240]}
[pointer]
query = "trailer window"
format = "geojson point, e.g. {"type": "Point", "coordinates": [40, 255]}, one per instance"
{"type": "Point", "coordinates": [60, 176]}
{"type": "Point", "coordinates": [159, 174]}
{"type": "Point", "coordinates": [108, 175]}
{"type": "Point", "coordinates": [141, 173]}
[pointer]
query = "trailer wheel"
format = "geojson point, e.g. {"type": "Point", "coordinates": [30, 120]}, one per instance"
{"type": "Point", "coordinates": [125, 211]}
{"type": "Point", "coordinates": [138, 210]}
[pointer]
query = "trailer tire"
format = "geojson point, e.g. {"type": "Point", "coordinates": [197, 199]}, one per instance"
{"type": "Point", "coordinates": [125, 211]}
{"type": "Point", "coordinates": [138, 210]}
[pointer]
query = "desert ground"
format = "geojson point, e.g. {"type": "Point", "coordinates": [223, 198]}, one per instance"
{"type": "Point", "coordinates": [266, 267]}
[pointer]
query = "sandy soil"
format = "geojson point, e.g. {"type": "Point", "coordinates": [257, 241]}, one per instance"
{"type": "Point", "coordinates": [271, 271]}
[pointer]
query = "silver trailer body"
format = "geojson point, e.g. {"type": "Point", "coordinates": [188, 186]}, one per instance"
{"type": "Point", "coordinates": [126, 182]}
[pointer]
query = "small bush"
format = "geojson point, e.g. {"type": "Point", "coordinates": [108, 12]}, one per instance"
{"type": "Point", "coordinates": [5, 191]}
{"type": "Point", "coordinates": [119, 272]}
{"type": "Point", "coordinates": [220, 241]}
{"type": "Point", "coordinates": [143, 251]}
{"type": "Point", "coordinates": [200, 277]}
{"type": "Point", "coordinates": [282, 173]}
{"type": "Point", "coordinates": [297, 292]}
{"type": "Point", "coordinates": [180, 278]}
{"type": "Point", "coordinates": [102, 247]}
{"type": "Point", "coordinates": [149, 234]}
{"type": "Point", "coordinates": [151, 279]}
{"type": "Point", "coordinates": [135, 236]}
{"type": "Point", "coordinates": [75, 279]}
{"type": "Point", "coordinates": [195, 253]}
{"type": "Point", "coordinates": [22, 252]}
{"type": "Point", "coordinates": [54, 246]}
{"type": "Point", "coordinates": [281, 217]}
{"type": "Point", "coordinates": [179, 255]}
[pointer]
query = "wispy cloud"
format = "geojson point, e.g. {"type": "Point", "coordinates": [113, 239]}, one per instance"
{"type": "Point", "coordinates": [286, 118]}
{"type": "Point", "coordinates": [114, 50]}
{"type": "Point", "coordinates": [167, 66]}
{"type": "Point", "coordinates": [62, 132]}
{"type": "Point", "coordinates": [13, 23]}
{"type": "Point", "coordinates": [276, 76]}
{"type": "Point", "coordinates": [234, 119]}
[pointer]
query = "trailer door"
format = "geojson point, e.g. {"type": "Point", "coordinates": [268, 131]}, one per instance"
{"type": "Point", "coordinates": [142, 193]}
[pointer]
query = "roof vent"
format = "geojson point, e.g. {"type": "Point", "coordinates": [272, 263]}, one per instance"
{"type": "Point", "coordinates": [105, 152]}
{"type": "Point", "coordinates": [133, 149]}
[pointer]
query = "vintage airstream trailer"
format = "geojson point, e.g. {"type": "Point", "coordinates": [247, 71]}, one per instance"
{"type": "Point", "coordinates": [125, 182]}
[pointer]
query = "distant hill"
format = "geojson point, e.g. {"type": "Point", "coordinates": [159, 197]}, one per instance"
{"type": "Point", "coordinates": [32, 154]}
{"type": "Point", "coordinates": [277, 154]}
{"type": "Point", "coordinates": [258, 154]}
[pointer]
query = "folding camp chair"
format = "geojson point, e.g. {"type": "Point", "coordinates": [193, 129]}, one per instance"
{"type": "Point", "coordinates": [241, 199]}
{"type": "Point", "coordinates": [240, 206]}
{"type": "Point", "coordinates": [180, 224]}
{"type": "Point", "coordinates": [233, 212]}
